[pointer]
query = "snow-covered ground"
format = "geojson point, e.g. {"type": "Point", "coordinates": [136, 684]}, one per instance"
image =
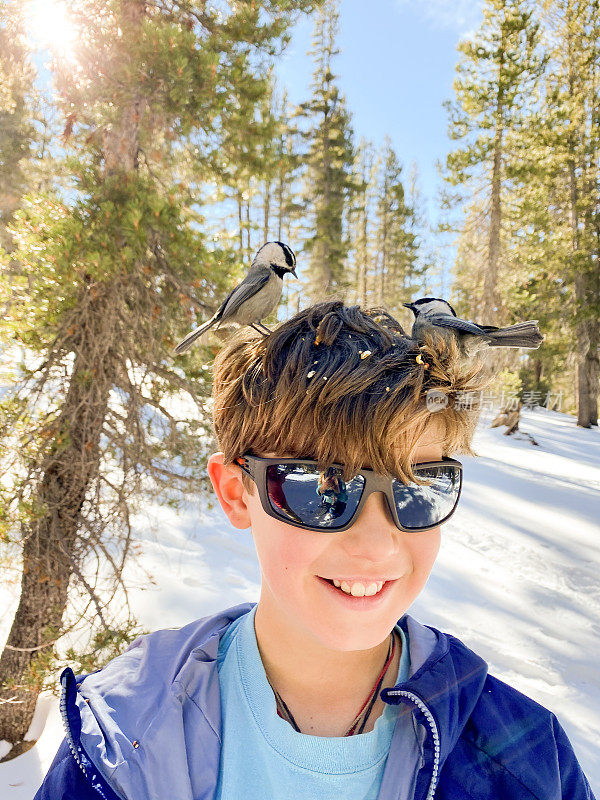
{"type": "Point", "coordinates": [516, 579]}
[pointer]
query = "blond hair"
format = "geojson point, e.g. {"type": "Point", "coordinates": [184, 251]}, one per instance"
{"type": "Point", "coordinates": [337, 384]}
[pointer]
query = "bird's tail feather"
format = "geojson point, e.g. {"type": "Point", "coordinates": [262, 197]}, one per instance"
{"type": "Point", "coordinates": [523, 334]}
{"type": "Point", "coordinates": [195, 334]}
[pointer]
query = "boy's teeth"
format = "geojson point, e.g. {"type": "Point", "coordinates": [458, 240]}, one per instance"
{"type": "Point", "coordinates": [358, 589]}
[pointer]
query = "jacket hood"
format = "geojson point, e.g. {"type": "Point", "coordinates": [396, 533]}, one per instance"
{"type": "Point", "coordinates": [150, 720]}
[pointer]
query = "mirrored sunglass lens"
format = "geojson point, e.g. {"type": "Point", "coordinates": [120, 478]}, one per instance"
{"type": "Point", "coordinates": [301, 493]}
{"type": "Point", "coordinates": [424, 506]}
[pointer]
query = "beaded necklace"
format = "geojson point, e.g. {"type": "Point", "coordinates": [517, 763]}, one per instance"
{"type": "Point", "coordinates": [285, 713]}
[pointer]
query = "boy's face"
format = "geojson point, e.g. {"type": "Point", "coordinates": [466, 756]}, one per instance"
{"type": "Point", "coordinates": [294, 563]}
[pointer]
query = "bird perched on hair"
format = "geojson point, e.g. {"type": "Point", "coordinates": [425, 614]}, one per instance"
{"type": "Point", "coordinates": [255, 297]}
{"type": "Point", "coordinates": [435, 313]}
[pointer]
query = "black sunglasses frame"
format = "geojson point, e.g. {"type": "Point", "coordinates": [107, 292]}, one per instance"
{"type": "Point", "coordinates": [256, 468]}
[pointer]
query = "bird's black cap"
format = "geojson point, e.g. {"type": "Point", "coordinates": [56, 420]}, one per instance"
{"type": "Point", "coordinates": [414, 307]}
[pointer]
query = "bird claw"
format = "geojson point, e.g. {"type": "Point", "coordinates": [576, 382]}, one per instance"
{"type": "Point", "coordinates": [265, 332]}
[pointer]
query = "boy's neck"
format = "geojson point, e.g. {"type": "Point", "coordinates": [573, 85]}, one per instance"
{"type": "Point", "coordinates": [325, 688]}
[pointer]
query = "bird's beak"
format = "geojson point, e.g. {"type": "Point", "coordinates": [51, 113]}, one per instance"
{"type": "Point", "coordinates": [294, 273]}
{"type": "Point", "coordinates": [408, 305]}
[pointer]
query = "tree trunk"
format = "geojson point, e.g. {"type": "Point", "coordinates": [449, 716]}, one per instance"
{"type": "Point", "coordinates": [383, 242]}
{"type": "Point", "coordinates": [240, 224]}
{"type": "Point", "coordinates": [490, 282]}
{"type": "Point", "coordinates": [586, 330]}
{"type": "Point", "coordinates": [267, 211]}
{"type": "Point", "coordinates": [587, 368]}
{"type": "Point", "coordinates": [49, 541]}
{"type": "Point", "coordinates": [279, 207]}
{"type": "Point", "coordinates": [248, 242]}
{"type": "Point", "coordinates": [586, 365]}
{"type": "Point", "coordinates": [364, 266]}
{"type": "Point", "coordinates": [594, 324]}
{"type": "Point", "coordinates": [537, 371]}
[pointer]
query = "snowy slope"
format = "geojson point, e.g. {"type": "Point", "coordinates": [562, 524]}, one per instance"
{"type": "Point", "coordinates": [516, 578]}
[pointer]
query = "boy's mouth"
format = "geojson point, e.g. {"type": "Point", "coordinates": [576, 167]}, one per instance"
{"type": "Point", "coordinates": [357, 591]}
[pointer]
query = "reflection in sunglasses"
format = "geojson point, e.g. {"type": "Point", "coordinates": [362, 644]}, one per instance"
{"type": "Point", "coordinates": [334, 496]}
{"type": "Point", "coordinates": [277, 495]}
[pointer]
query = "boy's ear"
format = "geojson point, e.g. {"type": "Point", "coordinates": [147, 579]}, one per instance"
{"type": "Point", "coordinates": [227, 483]}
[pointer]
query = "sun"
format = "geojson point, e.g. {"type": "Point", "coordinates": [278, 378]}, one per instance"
{"type": "Point", "coordinates": [51, 27]}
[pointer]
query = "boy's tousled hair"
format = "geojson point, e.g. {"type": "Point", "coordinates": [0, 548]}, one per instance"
{"type": "Point", "coordinates": [338, 384]}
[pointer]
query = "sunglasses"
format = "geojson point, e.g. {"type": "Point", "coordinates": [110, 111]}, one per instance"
{"type": "Point", "coordinates": [298, 493]}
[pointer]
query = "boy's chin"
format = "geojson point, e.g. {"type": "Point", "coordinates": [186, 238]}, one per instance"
{"type": "Point", "coordinates": [346, 635]}
{"type": "Point", "coordinates": [351, 641]}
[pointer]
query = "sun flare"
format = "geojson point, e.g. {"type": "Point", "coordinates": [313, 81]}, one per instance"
{"type": "Point", "coordinates": [51, 26]}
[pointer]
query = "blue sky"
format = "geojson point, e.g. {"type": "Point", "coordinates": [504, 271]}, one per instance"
{"type": "Point", "coordinates": [396, 67]}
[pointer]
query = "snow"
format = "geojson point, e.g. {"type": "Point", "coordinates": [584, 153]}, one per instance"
{"type": "Point", "coordinates": [5, 748]}
{"type": "Point", "coordinates": [21, 777]}
{"type": "Point", "coordinates": [516, 578]}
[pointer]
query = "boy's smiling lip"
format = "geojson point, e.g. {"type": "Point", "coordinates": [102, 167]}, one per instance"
{"type": "Point", "coordinates": [365, 602]}
{"type": "Point", "coordinates": [361, 578]}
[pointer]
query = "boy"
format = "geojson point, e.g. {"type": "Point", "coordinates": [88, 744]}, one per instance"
{"type": "Point", "coordinates": [320, 690]}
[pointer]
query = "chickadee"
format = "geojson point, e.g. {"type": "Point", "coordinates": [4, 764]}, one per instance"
{"type": "Point", "coordinates": [255, 297]}
{"type": "Point", "coordinates": [433, 312]}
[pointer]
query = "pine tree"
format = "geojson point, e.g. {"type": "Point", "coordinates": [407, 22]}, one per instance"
{"type": "Point", "coordinates": [286, 190]}
{"type": "Point", "coordinates": [496, 78]}
{"type": "Point", "coordinates": [425, 266]}
{"type": "Point", "coordinates": [562, 207]}
{"type": "Point", "coordinates": [361, 221]}
{"type": "Point", "coordinates": [329, 160]}
{"type": "Point", "coordinates": [25, 132]}
{"type": "Point", "coordinates": [115, 271]}
{"type": "Point", "coordinates": [396, 243]}
{"type": "Point", "coordinates": [17, 133]}
{"type": "Point", "coordinates": [242, 157]}
{"type": "Point", "coordinates": [470, 264]}
{"type": "Point", "coordinates": [271, 166]}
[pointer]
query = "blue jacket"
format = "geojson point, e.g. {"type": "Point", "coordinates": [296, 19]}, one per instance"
{"type": "Point", "coordinates": [147, 726]}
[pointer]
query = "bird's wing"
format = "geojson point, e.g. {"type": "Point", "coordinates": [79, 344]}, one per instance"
{"type": "Point", "coordinates": [223, 306]}
{"type": "Point", "coordinates": [446, 321]}
{"type": "Point", "coordinates": [251, 284]}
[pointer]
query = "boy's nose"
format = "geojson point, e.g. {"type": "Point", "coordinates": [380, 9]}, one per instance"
{"type": "Point", "coordinates": [374, 535]}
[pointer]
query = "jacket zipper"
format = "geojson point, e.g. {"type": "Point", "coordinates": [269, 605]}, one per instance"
{"type": "Point", "coordinates": [436, 736]}
{"type": "Point", "coordinates": [69, 736]}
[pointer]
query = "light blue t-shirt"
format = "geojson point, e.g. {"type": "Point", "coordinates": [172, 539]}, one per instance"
{"type": "Point", "coordinates": [263, 756]}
